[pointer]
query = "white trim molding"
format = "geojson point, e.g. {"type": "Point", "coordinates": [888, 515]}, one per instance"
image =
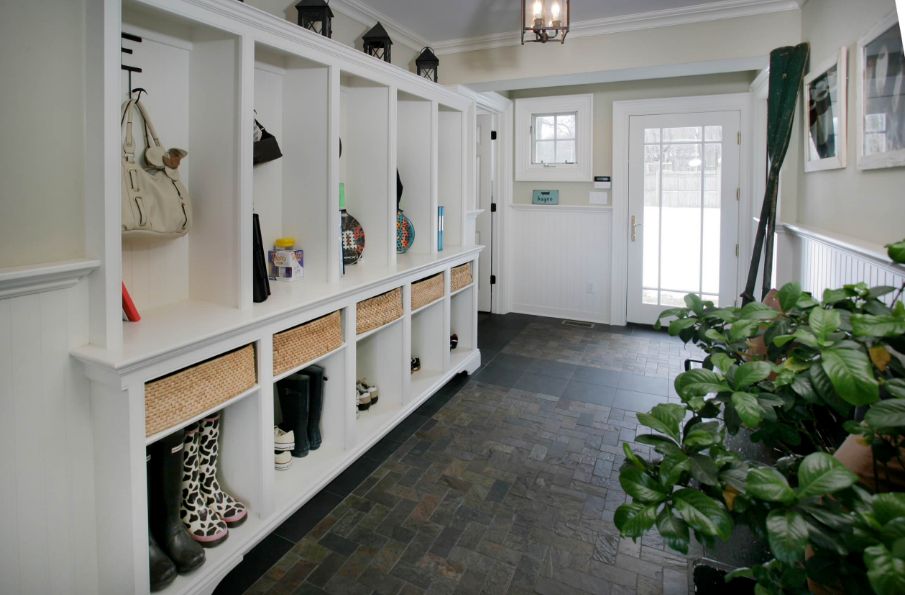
{"type": "Point", "coordinates": [698, 13]}
{"type": "Point", "coordinates": [25, 280]}
{"type": "Point", "coordinates": [580, 171]}
{"type": "Point", "coordinates": [819, 259]}
{"type": "Point", "coordinates": [622, 113]}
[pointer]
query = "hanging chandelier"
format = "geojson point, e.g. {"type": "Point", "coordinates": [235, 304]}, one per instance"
{"type": "Point", "coordinates": [548, 20]}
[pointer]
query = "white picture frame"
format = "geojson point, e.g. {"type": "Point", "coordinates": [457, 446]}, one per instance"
{"type": "Point", "coordinates": [881, 96]}
{"type": "Point", "coordinates": [825, 114]}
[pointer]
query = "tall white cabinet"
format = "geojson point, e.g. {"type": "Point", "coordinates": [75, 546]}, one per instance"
{"type": "Point", "coordinates": [208, 66]}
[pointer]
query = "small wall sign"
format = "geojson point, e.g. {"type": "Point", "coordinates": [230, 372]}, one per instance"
{"type": "Point", "coordinates": [545, 197]}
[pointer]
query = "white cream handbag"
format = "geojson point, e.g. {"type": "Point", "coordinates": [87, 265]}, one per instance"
{"type": "Point", "coordinates": [155, 202]}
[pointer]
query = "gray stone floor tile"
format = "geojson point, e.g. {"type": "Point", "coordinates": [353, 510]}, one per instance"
{"type": "Point", "coordinates": [589, 393]}
{"type": "Point", "coordinates": [506, 485]}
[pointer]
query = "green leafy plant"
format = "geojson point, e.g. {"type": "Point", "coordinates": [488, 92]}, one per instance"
{"type": "Point", "coordinates": [800, 376]}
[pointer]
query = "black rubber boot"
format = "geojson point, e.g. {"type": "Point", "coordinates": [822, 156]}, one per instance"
{"type": "Point", "coordinates": [166, 495]}
{"type": "Point", "coordinates": [294, 404]}
{"type": "Point", "coordinates": [162, 569]}
{"type": "Point", "coordinates": [315, 404]}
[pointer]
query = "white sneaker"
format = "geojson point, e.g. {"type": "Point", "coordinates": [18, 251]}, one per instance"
{"type": "Point", "coordinates": [282, 460]}
{"type": "Point", "coordinates": [283, 440]}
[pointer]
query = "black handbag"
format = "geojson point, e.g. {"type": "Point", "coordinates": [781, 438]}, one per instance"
{"type": "Point", "coordinates": [266, 148]}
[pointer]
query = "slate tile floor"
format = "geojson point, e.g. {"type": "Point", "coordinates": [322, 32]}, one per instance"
{"type": "Point", "coordinates": [504, 482]}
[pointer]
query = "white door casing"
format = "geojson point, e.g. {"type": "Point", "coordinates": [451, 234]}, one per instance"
{"type": "Point", "coordinates": [485, 173]}
{"type": "Point", "coordinates": [683, 210]}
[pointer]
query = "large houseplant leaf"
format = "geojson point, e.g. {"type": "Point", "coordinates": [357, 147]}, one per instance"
{"type": "Point", "coordinates": [852, 375]}
{"type": "Point", "coordinates": [820, 474]}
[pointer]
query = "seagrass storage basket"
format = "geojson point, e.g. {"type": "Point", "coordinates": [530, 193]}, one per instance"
{"type": "Point", "coordinates": [427, 290]}
{"type": "Point", "coordinates": [461, 276]}
{"type": "Point", "coordinates": [306, 342]}
{"type": "Point", "coordinates": [173, 399]}
{"type": "Point", "coordinates": [379, 310]}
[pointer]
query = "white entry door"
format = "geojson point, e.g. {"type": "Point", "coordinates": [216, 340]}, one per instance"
{"type": "Point", "coordinates": [683, 210]}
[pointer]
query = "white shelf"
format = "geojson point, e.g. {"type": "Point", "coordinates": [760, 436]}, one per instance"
{"type": "Point", "coordinates": [423, 381]}
{"type": "Point", "coordinates": [155, 437]}
{"type": "Point", "coordinates": [301, 367]}
{"type": "Point", "coordinates": [377, 420]}
{"type": "Point", "coordinates": [296, 485]}
{"type": "Point", "coordinates": [436, 302]}
{"type": "Point", "coordinates": [458, 358]}
{"type": "Point", "coordinates": [194, 324]}
{"type": "Point", "coordinates": [461, 289]}
{"type": "Point", "coordinates": [374, 331]}
{"type": "Point", "coordinates": [218, 560]}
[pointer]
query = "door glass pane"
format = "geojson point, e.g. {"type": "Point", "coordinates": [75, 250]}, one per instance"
{"type": "Point", "coordinates": [682, 200]}
{"type": "Point", "coordinates": [710, 241]}
{"type": "Point", "coordinates": [680, 227]}
{"type": "Point", "coordinates": [652, 135]}
{"type": "Point", "coordinates": [651, 230]}
{"type": "Point", "coordinates": [683, 134]}
{"type": "Point", "coordinates": [713, 133]}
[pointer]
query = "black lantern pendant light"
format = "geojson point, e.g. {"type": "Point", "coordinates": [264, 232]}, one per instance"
{"type": "Point", "coordinates": [427, 64]}
{"type": "Point", "coordinates": [378, 43]}
{"type": "Point", "coordinates": [316, 16]}
{"type": "Point", "coordinates": [548, 20]}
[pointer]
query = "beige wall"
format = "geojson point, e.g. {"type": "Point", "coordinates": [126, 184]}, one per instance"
{"type": "Point", "coordinates": [345, 30]}
{"type": "Point", "coordinates": [865, 204]}
{"type": "Point", "coordinates": [700, 42]}
{"type": "Point", "coordinates": [42, 119]}
{"type": "Point", "coordinates": [576, 193]}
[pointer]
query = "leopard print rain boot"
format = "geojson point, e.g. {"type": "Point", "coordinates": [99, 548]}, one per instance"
{"type": "Point", "coordinates": [203, 525]}
{"type": "Point", "coordinates": [225, 506]}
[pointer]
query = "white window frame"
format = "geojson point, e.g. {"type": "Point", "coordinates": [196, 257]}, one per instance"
{"type": "Point", "coordinates": [526, 110]}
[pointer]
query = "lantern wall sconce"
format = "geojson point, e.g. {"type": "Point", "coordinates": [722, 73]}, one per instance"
{"type": "Point", "coordinates": [427, 64]}
{"type": "Point", "coordinates": [548, 20]}
{"type": "Point", "coordinates": [377, 43]}
{"type": "Point", "coordinates": [315, 15]}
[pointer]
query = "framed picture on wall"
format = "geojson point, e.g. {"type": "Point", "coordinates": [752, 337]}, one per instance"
{"type": "Point", "coordinates": [825, 114]}
{"type": "Point", "coordinates": [881, 96]}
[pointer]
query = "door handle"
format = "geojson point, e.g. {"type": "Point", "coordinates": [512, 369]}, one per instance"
{"type": "Point", "coordinates": [635, 226]}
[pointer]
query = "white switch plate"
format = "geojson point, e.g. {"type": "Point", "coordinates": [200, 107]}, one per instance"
{"type": "Point", "coordinates": [599, 198]}
{"type": "Point", "coordinates": [603, 185]}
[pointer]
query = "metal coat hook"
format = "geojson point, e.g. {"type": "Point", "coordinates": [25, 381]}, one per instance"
{"type": "Point", "coordinates": [130, 69]}
{"type": "Point", "coordinates": [139, 90]}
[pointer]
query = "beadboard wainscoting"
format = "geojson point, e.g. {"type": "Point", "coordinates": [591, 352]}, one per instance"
{"type": "Point", "coordinates": [560, 261]}
{"type": "Point", "coordinates": [819, 260]}
{"type": "Point", "coordinates": [48, 542]}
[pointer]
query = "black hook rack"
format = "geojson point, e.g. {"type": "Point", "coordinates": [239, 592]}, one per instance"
{"type": "Point", "coordinates": [130, 69]}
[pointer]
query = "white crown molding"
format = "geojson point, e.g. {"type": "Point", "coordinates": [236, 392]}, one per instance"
{"type": "Point", "coordinates": [625, 74]}
{"type": "Point", "coordinates": [364, 14]}
{"type": "Point", "coordinates": [712, 11]}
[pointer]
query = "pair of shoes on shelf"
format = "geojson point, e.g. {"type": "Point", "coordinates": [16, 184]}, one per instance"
{"type": "Point", "coordinates": [416, 364]}
{"type": "Point", "coordinates": [206, 510]}
{"type": "Point", "coordinates": [187, 508]}
{"type": "Point", "coordinates": [283, 443]}
{"type": "Point", "coordinates": [367, 394]}
{"type": "Point", "coordinates": [301, 399]}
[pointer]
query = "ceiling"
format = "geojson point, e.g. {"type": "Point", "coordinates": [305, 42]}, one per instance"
{"type": "Point", "coordinates": [443, 20]}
